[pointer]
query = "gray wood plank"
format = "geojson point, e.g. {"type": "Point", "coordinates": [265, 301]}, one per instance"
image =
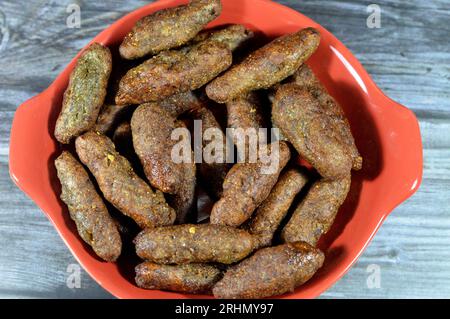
{"type": "Point", "coordinates": [408, 57]}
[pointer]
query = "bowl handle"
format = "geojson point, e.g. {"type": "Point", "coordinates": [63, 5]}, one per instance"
{"type": "Point", "coordinates": [29, 141]}
{"type": "Point", "coordinates": [405, 155]}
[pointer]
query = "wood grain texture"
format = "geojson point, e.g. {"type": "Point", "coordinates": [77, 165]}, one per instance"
{"type": "Point", "coordinates": [408, 57]}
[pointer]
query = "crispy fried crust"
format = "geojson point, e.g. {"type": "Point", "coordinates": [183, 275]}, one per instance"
{"type": "Point", "coordinates": [314, 130]}
{"type": "Point", "coordinates": [169, 28]}
{"type": "Point", "coordinates": [316, 213]}
{"type": "Point", "coordinates": [189, 278]}
{"type": "Point", "coordinates": [188, 243]}
{"type": "Point", "coordinates": [265, 67]}
{"type": "Point", "coordinates": [212, 174]}
{"type": "Point", "coordinates": [270, 271]}
{"type": "Point", "coordinates": [180, 103]}
{"type": "Point", "coordinates": [152, 127]}
{"type": "Point", "coordinates": [233, 36]}
{"type": "Point", "coordinates": [305, 78]}
{"type": "Point", "coordinates": [87, 209]}
{"type": "Point", "coordinates": [246, 186]}
{"type": "Point", "coordinates": [119, 183]}
{"type": "Point", "coordinates": [245, 113]}
{"type": "Point", "coordinates": [269, 215]}
{"type": "Point", "coordinates": [85, 94]}
{"type": "Point", "coordinates": [110, 115]}
{"type": "Point", "coordinates": [173, 72]}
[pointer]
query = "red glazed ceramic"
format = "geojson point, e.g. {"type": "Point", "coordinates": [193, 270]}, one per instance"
{"type": "Point", "coordinates": [386, 133]}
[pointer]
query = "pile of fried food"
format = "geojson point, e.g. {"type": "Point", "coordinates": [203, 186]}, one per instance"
{"type": "Point", "coordinates": [260, 239]}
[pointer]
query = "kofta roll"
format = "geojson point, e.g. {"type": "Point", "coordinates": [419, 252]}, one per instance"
{"type": "Point", "coordinates": [316, 213]}
{"type": "Point", "coordinates": [119, 183]}
{"type": "Point", "coordinates": [272, 211]}
{"type": "Point", "coordinates": [234, 36]}
{"type": "Point", "coordinates": [85, 94]}
{"type": "Point", "coordinates": [169, 28]}
{"type": "Point", "coordinates": [188, 243]}
{"type": "Point", "coordinates": [244, 114]}
{"type": "Point", "coordinates": [188, 278]}
{"type": "Point", "coordinates": [270, 271]}
{"type": "Point", "coordinates": [152, 128]}
{"type": "Point", "coordinates": [86, 208]}
{"type": "Point", "coordinates": [245, 187]}
{"type": "Point", "coordinates": [266, 66]}
{"type": "Point", "coordinates": [214, 166]}
{"type": "Point", "coordinates": [305, 78]}
{"type": "Point", "coordinates": [173, 72]}
{"type": "Point", "coordinates": [314, 129]}
{"type": "Point", "coordinates": [180, 103]}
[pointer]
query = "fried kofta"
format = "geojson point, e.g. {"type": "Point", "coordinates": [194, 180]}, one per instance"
{"type": "Point", "coordinates": [270, 271]}
{"type": "Point", "coordinates": [272, 211]}
{"type": "Point", "coordinates": [188, 243]}
{"type": "Point", "coordinates": [305, 78]}
{"type": "Point", "coordinates": [169, 28]}
{"type": "Point", "coordinates": [152, 128]}
{"type": "Point", "coordinates": [314, 130]}
{"type": "Point", "coordinates": [316, 213]}
{"type": "Point", "coordinates": [234, 36]}
{"type": "Point", "coordinates": [180, 103]}
{"type": "Point", "coordinates": [214, 166]}
{"type": "Point", "coordinates": [119, 183]}
{"type": "Point", "coordinates": [87, 209]}
{"type": "Point", "coordinates": [244, 114]}
{"type": "Point", "coordinates": [85, 94]}
{"type": "Point", "coordinates": [188, 278]}
{"type": "Point", "coordinates": [266, 66]}
{"type": "Point", "coordinates": [173, 72]}
{"type": "Point", "coordinates": [246, 186]}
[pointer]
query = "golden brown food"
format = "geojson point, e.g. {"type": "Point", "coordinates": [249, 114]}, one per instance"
{"type": "Point", "coordinates": [270, 271]}
{"type": "Point", "coordinates": [87, 209]}
{"type": "Point", "coordinates": [246, 186]}
{"type": "Point", "coordinates": [269, 215]}
{"type": "Point", "coordinates": [265, 67]}
{"type": "Point", "coordinates": [190, 243]}
{"type": "Point", "coordinates": [169, 28]}
{"type": "Point", "coordinates": [152, 127]}
{"type": "Point", "coordinates": [245, 113]}
{"type": "Point", "coordinates": [173, 72]}
{"type": "Point", "coordinates": [233, 36]}
{"type": "Point", "coordinates": [316, 213]}
{"type": "Point", "coordinates": [214, 168]}
{"type": "Point", "coordinates": [180, 103]}
{"type": "Point", "coordinates": [314, 130]}
{"type": "Point", "coordinates": [85, 94]}
{"type": "Point", "coordinates": [119, 183]}
{"type": "Point", "coordinates": [110, 115]}
{"type": "Point", "coordinates": [189, 278]}
{"type": "Point", "coordinates": [305, 78]}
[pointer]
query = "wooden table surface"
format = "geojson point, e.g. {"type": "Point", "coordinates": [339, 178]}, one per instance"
{"type": "Point", "coordinates": [408, 57]}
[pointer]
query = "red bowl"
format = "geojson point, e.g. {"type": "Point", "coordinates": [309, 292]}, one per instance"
{"type": "Point", "coordinates": [387, 134]}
